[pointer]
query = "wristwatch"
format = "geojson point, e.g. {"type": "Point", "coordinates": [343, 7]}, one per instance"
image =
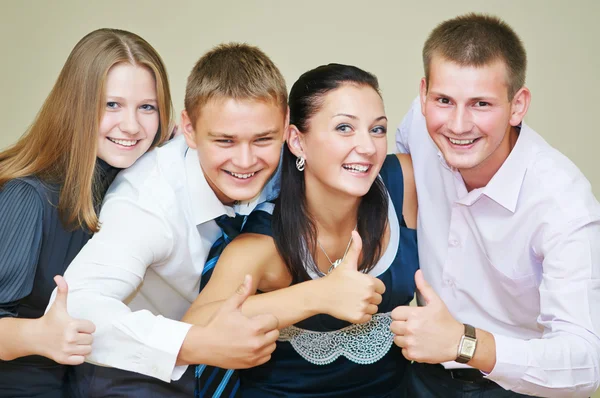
{"type": "Point", "coordinates": [467, 345]}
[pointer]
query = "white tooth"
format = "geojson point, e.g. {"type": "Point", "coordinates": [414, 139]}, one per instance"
{"type": "Point", "coordinates": [461, 142]}
{"type": "Point", "coordinates": [242, 176]}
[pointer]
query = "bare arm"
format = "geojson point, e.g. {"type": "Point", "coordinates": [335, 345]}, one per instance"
{"type": "Point", "coordinates": [409, 207]}
{"type": "Point", "coordinates": [255, 255]}
{"type": "Point", "coordinates": [345, 293]}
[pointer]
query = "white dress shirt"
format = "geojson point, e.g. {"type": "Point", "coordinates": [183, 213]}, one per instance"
{"type": "Point", "coordinates": [519, 258]}
{"type": "Point", "coordinates": [137, 276]}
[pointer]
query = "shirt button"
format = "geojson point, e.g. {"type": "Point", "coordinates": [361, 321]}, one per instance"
{"type": "Point", "coordinates": [453, 242]}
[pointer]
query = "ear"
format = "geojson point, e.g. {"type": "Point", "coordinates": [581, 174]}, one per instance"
{"type": "Point", "coordinates": [188, 130]}
{"type": "Point", "coordinates": [294, 141]}
{"type": "Point", "coordinates": [423, 94]}
{"type": "Point", "coordinates": [519, 106]}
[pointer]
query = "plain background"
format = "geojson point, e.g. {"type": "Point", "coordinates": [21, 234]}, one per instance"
{"type": "Point", "coordinates": [383, 37]}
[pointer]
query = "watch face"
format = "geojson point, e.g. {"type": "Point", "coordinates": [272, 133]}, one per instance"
{"type": "Point", "coordinates": [468, 347]}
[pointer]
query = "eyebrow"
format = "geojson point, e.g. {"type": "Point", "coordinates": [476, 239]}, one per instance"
{"type": "Point", "coordinates": [232, 136]}
{"type": "Point", "coordinates": [355, 118]}
{"type": "Point", "coordinates": [479, 98]}
{"type": "Point", "coordinates": [123, 99]}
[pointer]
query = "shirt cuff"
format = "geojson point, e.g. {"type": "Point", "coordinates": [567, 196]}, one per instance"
{"type": "Point", "coordinates": [511, 362]}
{"type": "Point", "coordinates": [160, 349]}
{"type": "Point", "coordinates": [169, 335]}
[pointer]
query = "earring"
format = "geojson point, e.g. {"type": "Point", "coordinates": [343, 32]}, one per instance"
{"type": "Point", "coordinates": [300, 163]}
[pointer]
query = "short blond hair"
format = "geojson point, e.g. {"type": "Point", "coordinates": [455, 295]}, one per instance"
{"type": "Point", "coordinates": [237, 71]}
{"type": "Point", "coordinates": [477, 40]}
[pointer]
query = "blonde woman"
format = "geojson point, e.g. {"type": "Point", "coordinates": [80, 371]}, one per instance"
{"type": "Point", "coordinates": [109, 105]}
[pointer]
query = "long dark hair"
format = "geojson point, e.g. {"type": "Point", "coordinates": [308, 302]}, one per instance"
{"type": "Point", "coordinates": [294, 229]}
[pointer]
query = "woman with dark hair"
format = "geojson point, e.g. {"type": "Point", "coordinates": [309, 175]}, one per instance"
{"type": "Point", "coordinates": [340, 193]}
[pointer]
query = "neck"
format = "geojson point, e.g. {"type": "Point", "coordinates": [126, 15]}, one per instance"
{"type": "Point", "coordinates": [335, 214]}
{"type": "Point", "coordinates": [480, 175]}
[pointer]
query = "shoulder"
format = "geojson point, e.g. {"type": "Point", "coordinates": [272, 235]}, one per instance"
{"type": "Point", "coordinates": [153, 178]}
{"type": "Point", "coordinates": [23, 194]}
{"type": "Point", "coordinates": [555, 183]}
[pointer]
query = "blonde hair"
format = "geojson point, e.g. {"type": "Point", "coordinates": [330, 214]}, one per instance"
{"type": "Point", "coordinates": [60, 145]}
{"type": "Point", "coordinates": [477, 40]}
{"type": "Point", "coordinates": [237, 71]}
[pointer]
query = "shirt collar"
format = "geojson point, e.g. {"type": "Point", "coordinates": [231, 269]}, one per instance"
{"type": "Point", "coordinates": [505, 186]}
{"type": "Point", "coordinates": [204, 204]}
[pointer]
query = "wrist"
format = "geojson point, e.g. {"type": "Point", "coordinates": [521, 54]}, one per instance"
{"type": "Point", "coordinates": [317, 297]}
{"type": "Point", "coordinates": [194, 348]}
{"type": "Point", "coordinates": [33, 339]}
{"type": "Point", "coordinates": [467, 345]}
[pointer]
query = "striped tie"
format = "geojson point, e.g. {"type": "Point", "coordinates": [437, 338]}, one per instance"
{"type": "Point", "coordinates": [211, 381]}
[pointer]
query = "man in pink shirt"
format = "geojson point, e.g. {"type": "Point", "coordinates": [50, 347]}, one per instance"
{"type": "Point", "coordinates": [509, 232]}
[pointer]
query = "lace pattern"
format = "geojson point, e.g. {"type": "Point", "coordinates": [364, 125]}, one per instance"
{"type": "Point", "coordinates": [361, 343]}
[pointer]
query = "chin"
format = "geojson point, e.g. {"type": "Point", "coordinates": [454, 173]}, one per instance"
{"type": "Point", "coordinates": [120, 163]}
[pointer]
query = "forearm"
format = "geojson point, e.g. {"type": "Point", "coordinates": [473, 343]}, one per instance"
{"type": "Point", "coordinates": [19, 338]}
{"type": "Point", "coordinates": [289, 305]}
{"type": "Point", "coordinates": [564, 365]}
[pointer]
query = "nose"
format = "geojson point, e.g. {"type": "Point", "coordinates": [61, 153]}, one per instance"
{"type": "Point", "coordinates": [129, 123]}
{"type": "Point", "coordinates": [460, 121]}
{"type": "Point", "coordinates": [244, 157]}
{"type": "Point", "coordinates": [364, 144]}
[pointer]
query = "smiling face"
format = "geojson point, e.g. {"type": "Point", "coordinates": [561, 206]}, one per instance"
{"type": "Point", "coordinates": [345, 144]}
{"type": "Point", "coordinates": [239, 145]}
{"type": "Point", "coordinates": [470, 118]}
{"type": "Point", "coordinates": [130, 120]}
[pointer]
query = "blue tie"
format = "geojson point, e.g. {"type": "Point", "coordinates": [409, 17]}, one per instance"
{"type": "Point", "coordinates": [211, 381]}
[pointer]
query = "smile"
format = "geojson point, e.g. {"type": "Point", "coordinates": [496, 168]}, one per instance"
{"type": "Point", "coordinates": [462, 142]}
{"type": "Point", "coordinates": [240, 175]}
{"type": "Point", "coordinates": [127, 143]}
{"type": "Point", "coordinates": [356, 168]}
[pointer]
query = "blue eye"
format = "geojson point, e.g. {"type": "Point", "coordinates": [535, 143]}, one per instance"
{"type": "Point", "coordinates": [482, 103]}
{"type": "Point", "coordinates": [344, 128]}
{"type": "Point", "coordinates": [379, 130]}
{"type": "Point", "coordinates": [148, 107]}
{"type": "Point", "coordinates": [443, 100]}
{"type": "Point", "coordinates": [112, 105]}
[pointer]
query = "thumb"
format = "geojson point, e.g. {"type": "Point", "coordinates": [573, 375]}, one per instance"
{"type": "Point", "coordinates": [425, 288]}
{"type": "Point", "coordinates": [62, 291]}
{"type": "Point", "coordinates": [351, 260]}
{"type": "Point", "coordinates": [241, 294]}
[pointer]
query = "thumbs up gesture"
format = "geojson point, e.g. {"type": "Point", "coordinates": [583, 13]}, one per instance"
{"type": "Point", "coordinates": [348, 294]}
{"type": "Point", "coordinates": [66, 340]}
{"type": "Point", "coordinates": [426, 334]}
{"type": "Point", "coordinates": [238, 341]}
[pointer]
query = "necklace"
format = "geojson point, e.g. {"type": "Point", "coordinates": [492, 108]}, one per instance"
{"type": "Point", "coordinates": [337, 262]}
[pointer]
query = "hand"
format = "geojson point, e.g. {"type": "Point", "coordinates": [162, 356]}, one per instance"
{"type": "Point", "coordinates": [65, 340]}
{"type": "Point", "coordinates": [236, 341]}
{"type": "Point", "coordinates": [348, 294]}
{"type": "Point", "coordinates": [426, 334]}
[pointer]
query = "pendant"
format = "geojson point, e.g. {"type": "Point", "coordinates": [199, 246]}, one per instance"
{"type": "Point", "coordinates": [334, 265]}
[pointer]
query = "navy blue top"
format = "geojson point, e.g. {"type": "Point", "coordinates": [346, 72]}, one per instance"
{"type": "Point", "coordinates": [34, 247]}
{"type": "Point", "coordinates": [289, 374]}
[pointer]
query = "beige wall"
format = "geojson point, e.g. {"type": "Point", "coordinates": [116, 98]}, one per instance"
{"type": "Point", "coordinates": [384, 37]}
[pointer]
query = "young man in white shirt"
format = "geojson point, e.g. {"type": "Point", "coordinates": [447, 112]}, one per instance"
{"type": "Point", "coordinates": [509, 232]}
{"type": "Point", "coordinates": [137, 276]}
